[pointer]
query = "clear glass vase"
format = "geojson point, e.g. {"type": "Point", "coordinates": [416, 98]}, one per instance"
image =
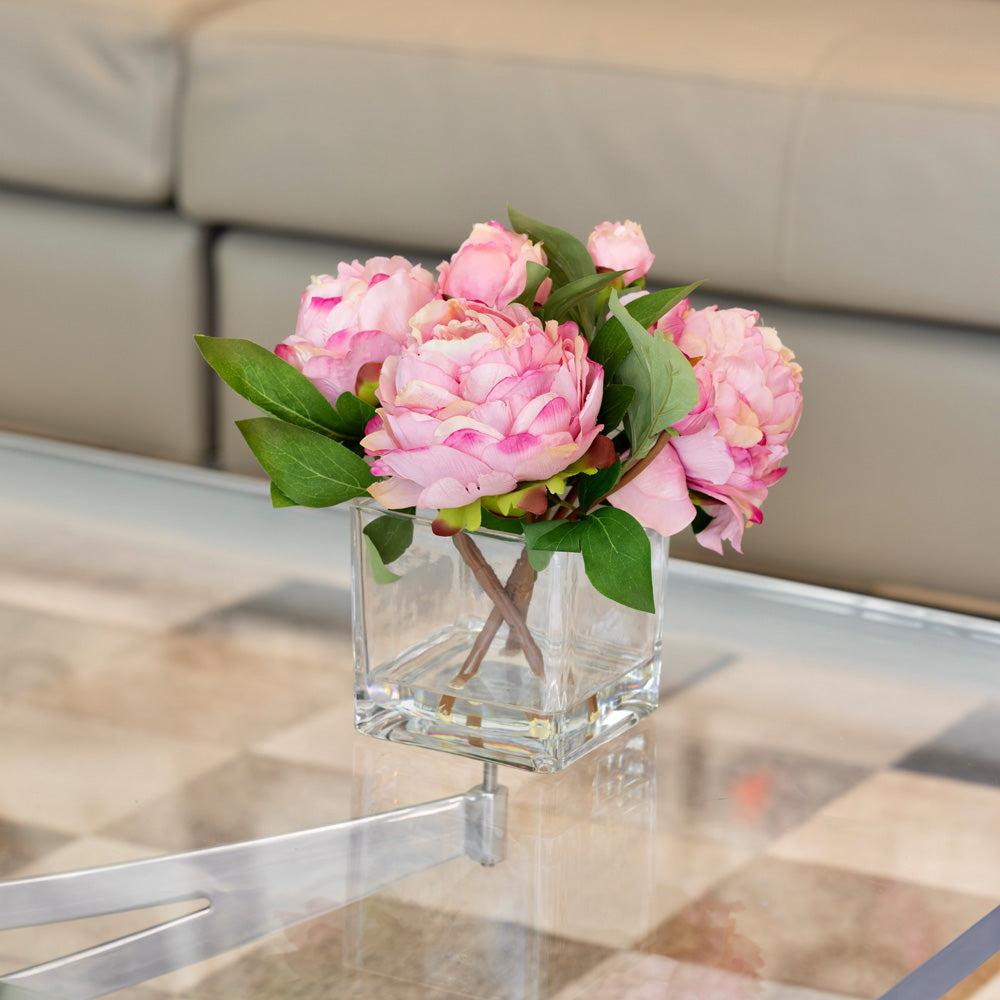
{"type": "Point", "coordinates": [439, 663]}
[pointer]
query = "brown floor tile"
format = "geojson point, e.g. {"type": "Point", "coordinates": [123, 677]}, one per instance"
{"type": "Point", "coordinates": [394, 951]}
{"type": "Point", "coordinates": [741, 794]}
{"type": "Point", "coordinates": [817, 927]}
{"type": "Point", "coordinates": [247, 798]}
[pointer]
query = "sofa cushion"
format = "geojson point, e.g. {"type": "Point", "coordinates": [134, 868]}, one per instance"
{"type": "Point", "coordinates": [89, 93]}
{"type": "Point", "coordinates": [835, 152]}
{"type": "Point", "coordinates": [99, 305]}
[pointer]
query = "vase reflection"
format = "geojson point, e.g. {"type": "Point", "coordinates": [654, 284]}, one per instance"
{"type": "Point", "coordinates": [576, 884]}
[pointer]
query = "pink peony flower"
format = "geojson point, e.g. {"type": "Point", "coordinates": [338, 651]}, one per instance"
{"type": "Point", "coordinates": [348, 325]}
{"type": "Point", "coordinates": [730, 446]}
{"type": "Point", "coordinates": [479, 402]}
{"type": "Point", "coordinates": [491, 267]}
{"type": "Point", "coordinates": [621, 246]}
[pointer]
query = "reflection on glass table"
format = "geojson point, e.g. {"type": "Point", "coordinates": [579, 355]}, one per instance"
{"type": "Point", "coordinates": [811, 814]}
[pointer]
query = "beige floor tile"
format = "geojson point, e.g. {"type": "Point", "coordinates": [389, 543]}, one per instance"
{"type": "Point", "coordinates": [76, 775]}
{"type": "Point", "coordinates": [327, 738]}
{"type": "Point", "coordinates": [914, 827]}
{"type": "Point", "coordinates": [81, 570]}
{"type": "Point", "coordinates": [854, 718]}
{"type": "Point", "coordinates": [196, 688]}
{"type": "Point", "coordinates": [246, 798]}
{"type": "Point", "coordinates": [634, 976]}
{"type": "Point", "coordinates": [989, 990]}
{"type": "Point", "coordinates": [39, 651]}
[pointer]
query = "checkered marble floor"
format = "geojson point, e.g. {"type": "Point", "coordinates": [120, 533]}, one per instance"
{"type": "Point", "coordinates": [778, 829]}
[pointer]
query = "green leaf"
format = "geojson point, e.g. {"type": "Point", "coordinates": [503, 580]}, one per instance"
{"type": "Point", "coordinates": [380, 574]}
{"type": "Point", "coordinates": [665, 385]}
{"type": "Point", "coordinates": [615, 404]}
{"type": "Point", "coordinates": [568, 258]}
{"type": "Point", "coordinates": [611, 344]}
{"type": "Point", "coordinates": [354, 414]}
{"type": "Point", "coordinates": [278, 499]}
{"type": "Point", "coordinates": [616, 557]}
{"type": "Point", "coordinates": [306, 467]}
{"type": "Point", "coordinates": [592, 488]}
{"type": "Point", "coordinates": [545, 537]}
{"type": "Point", "coordinates": [647, 309]}
{"type": "Point", "coordinates": [391, 535]}
{"type": "Point", "coordinates": [553, 536]}
{"type": "Point", "coordinates": [387, 538]}
{"type": "Point", "coordinates": [271, 384]}
{"type": "Point", "coordinates": [535, 275]}
{"type": "Point", "coordinates": [564, 299]}
{"type": "Point", "coordinates": [494, 522]}
{"type": "Point", "coordinates": [609, 348]}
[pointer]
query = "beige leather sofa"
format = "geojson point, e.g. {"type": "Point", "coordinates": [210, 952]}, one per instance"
{"type": "Point", "coordinates": [174, 166]}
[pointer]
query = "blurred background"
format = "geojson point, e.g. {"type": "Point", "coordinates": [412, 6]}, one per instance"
{"type": "Point", "coordinates": [173, 167]}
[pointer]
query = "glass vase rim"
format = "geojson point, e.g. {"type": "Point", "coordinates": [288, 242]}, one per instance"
{"type": "Point", "coordinates": [427, 518]}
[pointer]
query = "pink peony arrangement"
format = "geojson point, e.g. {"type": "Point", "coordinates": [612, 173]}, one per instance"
{"type": "Point", "coordinates": [534, 386]}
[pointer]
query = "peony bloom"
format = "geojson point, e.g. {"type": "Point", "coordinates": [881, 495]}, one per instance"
{"type": "Point", "coordinates": [730, 446]}
{"type": "Point", "coordinates": [348, 325]}
{"type": "Point", "coordinates": [491, 267]}
{"type": "Point", "coordinates": [621, 246]}
{"type": "Point", "coordinates": [479, 402]}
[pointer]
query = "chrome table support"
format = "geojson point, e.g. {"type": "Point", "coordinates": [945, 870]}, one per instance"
{"type": "Point", "coordinates": [253, 889]}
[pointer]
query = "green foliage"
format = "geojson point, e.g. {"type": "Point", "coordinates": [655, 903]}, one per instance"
{"type": "Point", "coordinates": [273, 385]}
{"type": "Point", "coordinates": [611, 344]}
{"type": "Point", "coordinates": [354, 414]}
{"type": "Point", "coordinates": [535, 274]}
{"type": "Point", "coordinates": [567, 256]}
{"type": "Point", "coordinates": [306, 467]}
{"type": "Point", "coordinates": [545, 537]}
{"type": "Point", "coordinates": [386, 539]}
{"type": "Point", "coordinates": [665, 385]}
{"type": "Point", "coordinates": [617, 558]}
{"type": "Point", "coordinates": [511, 525]}
{"type": "Point", "coordinates": [573, 298]}
{"type": "Point", "coordinates": [614, 405]}
{"type": "Point", "coordinates": [592, 488]}
{"type": "Point", "coordinates": [278, 499]}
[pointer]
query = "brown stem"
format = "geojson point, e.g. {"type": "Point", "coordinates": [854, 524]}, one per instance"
{"type": "Point", "coordinates": [503, 602]}
{"type": "Point", "coordinates": [519, 585]}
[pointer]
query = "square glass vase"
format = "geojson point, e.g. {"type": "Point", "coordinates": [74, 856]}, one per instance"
{"type": "Point", "coordinates": [533, 677]}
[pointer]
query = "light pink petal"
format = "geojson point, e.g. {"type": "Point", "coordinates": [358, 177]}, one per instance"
{"type": "Point", "coordinates": [470, 441]}
{"type": "Point", "coordinates": [483, 379]}
{"type": "Point", "coordinates": [425, 465]}
{"type": "Point", "coordinates": [526, 416]}
{"type": "Point", "coordinates": [395, 494]}
{"type": "Point", "coordinates": [706, 456]}
{"type": "Point", "coordinates": [658, 497]}
{"type": "Point", "coordinates": [495, 413]}
{"type": "Point", "coordinates": [449, 492]}
{"type": "Point", "coordinates": [421, 395]}
{"type": "Point", "coordinates": [411, 429]}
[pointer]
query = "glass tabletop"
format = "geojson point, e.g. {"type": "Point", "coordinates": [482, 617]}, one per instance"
{"type": "Point", "coordinates": [813, 812]}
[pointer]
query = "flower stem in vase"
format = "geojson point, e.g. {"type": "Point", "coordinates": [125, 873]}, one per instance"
{"type": "Point", "coordinates": [519, 586]}
{"type": "Point", "coordinates": [505, 606]}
